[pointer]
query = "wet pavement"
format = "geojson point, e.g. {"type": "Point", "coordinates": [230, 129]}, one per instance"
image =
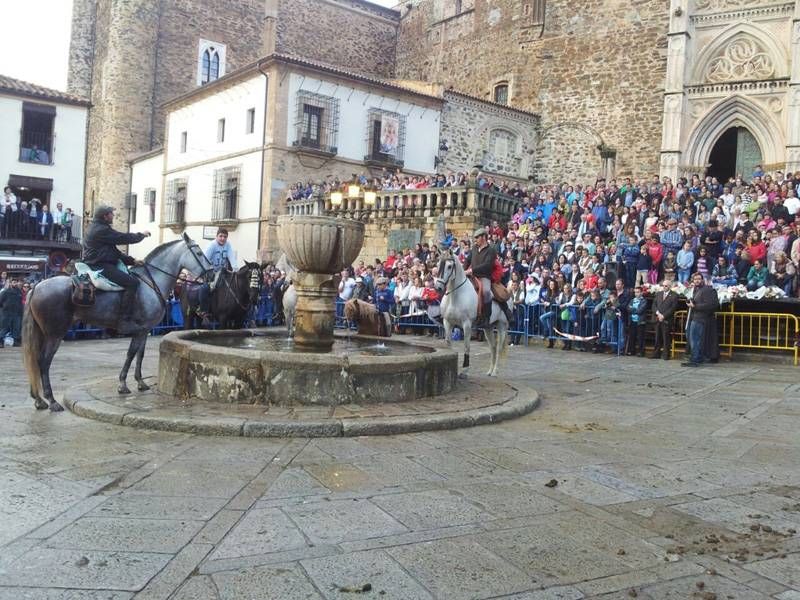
{"type": "Point", "coordinates": [633, 479]}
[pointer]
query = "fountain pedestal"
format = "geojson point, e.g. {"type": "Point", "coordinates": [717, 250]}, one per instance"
{"type": "Point", "coordinates": [315, 315]}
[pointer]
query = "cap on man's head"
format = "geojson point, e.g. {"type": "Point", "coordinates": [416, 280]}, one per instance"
{"type": "Point", "coordinates": [102, 211]}
{"type": "Point", "coordinates": [479, 232]}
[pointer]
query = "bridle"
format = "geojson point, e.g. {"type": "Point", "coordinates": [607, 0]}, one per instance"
{"type": "Point", "coordinates": [444, 283]}
{"type": "Point", "coordinates": [152, 283]}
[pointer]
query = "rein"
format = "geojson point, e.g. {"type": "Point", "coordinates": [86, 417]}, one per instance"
{"type": "Point", "coordinates": [455, 288]}
{"type": "Point", "coordinates": [152, 283]}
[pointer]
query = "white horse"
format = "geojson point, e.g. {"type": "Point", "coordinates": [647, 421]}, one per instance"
{"type": "Point", "coordinates": [290, 307]}
{"type": "Point", "coordinates": [460, 307]}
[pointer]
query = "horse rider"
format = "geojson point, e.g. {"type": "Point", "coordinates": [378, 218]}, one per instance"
{"type": "Point", "coordinates": [479, 264]}
{"type": "Point", "coordinates": [222, 256]}
{"type": "Point", "coordinates": [384, 302]}
{"type": "Point", "coordinates": [100, 252]}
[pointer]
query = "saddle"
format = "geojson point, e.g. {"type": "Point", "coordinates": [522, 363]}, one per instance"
{"type": "Point", "coordinates": [96, 276]}
{"type": "Point", "coordinates": [500, 293]}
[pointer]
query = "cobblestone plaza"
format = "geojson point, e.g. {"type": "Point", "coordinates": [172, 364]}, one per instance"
{"type": "Point", "coordinates": [641, 482]}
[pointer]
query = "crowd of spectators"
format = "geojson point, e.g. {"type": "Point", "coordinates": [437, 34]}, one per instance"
{"type": "Point", "coordinates": [602, 246]}
{"type": "Point", "coordinates": [13, 295]}
{"type": "Point", "coordinates": [21, 219]}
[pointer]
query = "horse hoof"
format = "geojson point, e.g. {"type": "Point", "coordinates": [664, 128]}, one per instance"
{"type": "Point", "coordinates": [123, 389]}
{"type": "Point", "coordinates": [40, 404]}
{"type": "Point", "coordinates": [142, 387]}
{"type": "Point", "coordinates": [55, 406]}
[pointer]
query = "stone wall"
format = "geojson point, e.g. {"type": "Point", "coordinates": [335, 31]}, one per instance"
{"type": "Point", "coordinates": [598, 64]}
{"type": "Point", "coordinates": [352, 34]}
{"type": "Point", "coordinates": [131, 57]}
{"type": "Point", "coordinates": [483, 133]}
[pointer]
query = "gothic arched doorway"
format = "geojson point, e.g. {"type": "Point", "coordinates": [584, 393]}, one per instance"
{"type": "Point", "coordinates": [735, 152]}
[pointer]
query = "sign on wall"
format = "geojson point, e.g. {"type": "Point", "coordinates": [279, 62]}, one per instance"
{"type": "Point", "coordinates": [209, 232]}
{"type": "Point", "coordinates": [400, 239]}
{"type": "Point", "coordinates": [390, 134]}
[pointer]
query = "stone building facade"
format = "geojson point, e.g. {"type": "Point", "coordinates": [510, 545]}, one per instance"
{"type": "Point", "coordinates": [621, 87]}
{"type": "Point", "coordinates": [594, 70]}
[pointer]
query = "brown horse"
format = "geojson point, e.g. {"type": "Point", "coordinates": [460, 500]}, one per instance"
{"type": "Point", "coordinates": [369, 320]}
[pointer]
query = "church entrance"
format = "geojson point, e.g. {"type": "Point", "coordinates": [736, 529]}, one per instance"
{"type": "Point", "coordinates": [736, 151]}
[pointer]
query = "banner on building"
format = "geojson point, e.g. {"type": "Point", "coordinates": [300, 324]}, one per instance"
{"type": "Point", "coordinates": [390, 134]}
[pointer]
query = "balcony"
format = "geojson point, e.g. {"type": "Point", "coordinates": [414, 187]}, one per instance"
{"type": "Point", "coordinates": [29, 237]}
{"type": "Point", "coordinates": [468, 201]}
{"type": "Point", "coordinates": [36, 148]}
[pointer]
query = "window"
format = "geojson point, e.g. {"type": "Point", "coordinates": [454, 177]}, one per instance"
{"type": "Point", "coordinates": [386, 137]}
{"type": "Point", "coordinates": [210, 61]}
{"type": "Point", "coordinates": [150, 202]}
{"type": "Point", "coordinates": [36, 141]}
{"type": "Point", "coordinates": [503, 153]}
{"type": "Point", "coordinates": [226, 194]}
{"type": "Point", "coordinates": [250, 123]}
{"type": "Point", "coordinates": [131, 201]}
{"type": "Point", "coordinates": [316, 122]}
{"type": "Point", "coordinates": [176, 202]}
{"type": "Point", "coordinates": [501, 93]}
{"type": "Point", "coordinates": [184, 138]}
{"type": "Point", "coordinates": [312, 125]}
{"type": "Point", "coordinates": [221, 130]}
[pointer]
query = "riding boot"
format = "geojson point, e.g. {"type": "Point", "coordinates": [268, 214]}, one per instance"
{"type": "Point", "coordinates": [486, 317]}
{"type": "Point", "coordinates": [507, 312]}
{"type": "Point", "coordinates": [128, 303]}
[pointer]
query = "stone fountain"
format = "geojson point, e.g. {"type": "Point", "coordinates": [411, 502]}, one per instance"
{"type": "Point", "coordinates": [316, 367]}
{"type": "Point", "coordinates": [319, 248]}
{"type": "Point", "coordinates": [258, 383]}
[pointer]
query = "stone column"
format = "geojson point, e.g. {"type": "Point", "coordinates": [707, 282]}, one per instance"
{"type": "Point", "coordinates": [674, 95]}
{"type": "Point", "coordinates": [793, 98]}
{"type": "Point", "coordinates": [315, 315]}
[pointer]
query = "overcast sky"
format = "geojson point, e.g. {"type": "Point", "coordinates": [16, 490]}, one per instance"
{"type": "Point", "coordinates": [36, 40]}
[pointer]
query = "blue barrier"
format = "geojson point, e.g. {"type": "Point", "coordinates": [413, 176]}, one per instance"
{"type": "Point", "coordinates": [528, 321]}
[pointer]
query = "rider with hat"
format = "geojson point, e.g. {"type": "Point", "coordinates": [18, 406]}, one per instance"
{"type": "Point", "coordinates": [100, 252]}
{"type": "Point", "coordinates": [480, 263]}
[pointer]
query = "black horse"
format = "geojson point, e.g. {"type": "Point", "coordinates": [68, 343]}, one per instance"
{"type": "Point", "coordinates": [236, 293]}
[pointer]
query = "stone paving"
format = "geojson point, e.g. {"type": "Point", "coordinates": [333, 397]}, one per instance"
{"type": "Point", "coordinates": [633, 479]}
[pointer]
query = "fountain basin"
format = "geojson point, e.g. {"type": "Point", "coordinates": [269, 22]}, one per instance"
{"type": "Point", "coordinates": [256, 367]}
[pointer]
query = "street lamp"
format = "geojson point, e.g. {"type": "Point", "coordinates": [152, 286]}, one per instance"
{"type": "Point", "coordinates": [370, 196]}
{"type": "Point", "coordinates": [353, 190]}
{"type": "Point", "coordinates": [336, 198]}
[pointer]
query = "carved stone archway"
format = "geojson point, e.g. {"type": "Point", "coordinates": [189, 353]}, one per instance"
{"type": "Point", "coordinates": [735, 111]}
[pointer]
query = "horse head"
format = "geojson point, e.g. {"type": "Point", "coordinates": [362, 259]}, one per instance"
{"type": "Point", "coordinates": [192, 258]}
{"type": "Point", "coordinates": [447, 271]}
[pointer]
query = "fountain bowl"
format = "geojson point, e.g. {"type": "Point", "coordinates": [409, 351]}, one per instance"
{"type": "Point", "coordinates": [257, 367]}
{"type": "Point", "coordinates": [320, 244]}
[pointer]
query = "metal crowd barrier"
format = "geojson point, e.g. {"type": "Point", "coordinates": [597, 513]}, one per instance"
{"type": "Point", "coordinates": [747, 330]}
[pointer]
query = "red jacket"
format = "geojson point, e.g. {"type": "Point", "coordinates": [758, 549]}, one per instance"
{"type": "Point", "coordinates": [656, 252]}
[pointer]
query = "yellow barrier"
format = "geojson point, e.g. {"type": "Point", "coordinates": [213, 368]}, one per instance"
{"type": "Point", "coordinates": [761, 331]}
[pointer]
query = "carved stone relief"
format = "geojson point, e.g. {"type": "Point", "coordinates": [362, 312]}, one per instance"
{"type": "Point", "coordinates": [743, 59]}
{"type": "Point", "coordinates": [723, 5]}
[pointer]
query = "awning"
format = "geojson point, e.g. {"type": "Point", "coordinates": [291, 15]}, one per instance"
{"type": "Point", "coordinates": [35, 183]}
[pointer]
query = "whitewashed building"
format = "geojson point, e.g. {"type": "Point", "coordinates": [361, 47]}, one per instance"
{"type": "Point", "coordinates": [42, 157]}
{"type": "Point", "coordinates": [234, 147]}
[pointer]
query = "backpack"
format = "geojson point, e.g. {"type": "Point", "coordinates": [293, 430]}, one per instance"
{"type": "Point", "coordinates": [82, 290]}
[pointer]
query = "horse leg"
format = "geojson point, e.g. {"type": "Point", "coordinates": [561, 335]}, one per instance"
{"type": "Point", "coordinates": [466, 328]}
{"type": "Point", "coordinates": [133, 348]}
{"type": "Point", "coordinates": [142, 386]}
{"type": "Point", "coordinates": [448, 330]}
{"type": "Point", "coordinates": [49, 350]}
{"type": "Point", "coordinates": [498, 345]}
{"type": "Point", "coordinates": [491, 340]}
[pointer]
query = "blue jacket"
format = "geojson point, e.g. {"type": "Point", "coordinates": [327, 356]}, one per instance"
{"type": "Point", "coordinates": [630, 253]}
{"type": "Point", "coordinates": [384, 300]}
{"type": "Point", "coordinates": [637, 309]}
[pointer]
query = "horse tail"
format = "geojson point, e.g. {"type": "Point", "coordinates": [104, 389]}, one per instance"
{"type": "Point", "coordinates": [32, 341]}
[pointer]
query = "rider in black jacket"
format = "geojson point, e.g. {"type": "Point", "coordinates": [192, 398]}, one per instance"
{"type": "Point", "coordinates": [100, 252]}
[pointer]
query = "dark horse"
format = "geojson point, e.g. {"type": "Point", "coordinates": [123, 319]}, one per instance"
{"type": "Point", "coordinates": [231, 300]}
{"type": "Point", "coordinates": [49, 313]}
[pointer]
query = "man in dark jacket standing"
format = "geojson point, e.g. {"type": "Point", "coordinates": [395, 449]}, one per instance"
{"type": "Point", "coordinates": [664, 306]}
{"type": "Point", "coordinates": [702, 306]}
{"type": "Point", "coordinates": [100, 252]}
{"type": "Point", "coordinates": [11, 312]}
